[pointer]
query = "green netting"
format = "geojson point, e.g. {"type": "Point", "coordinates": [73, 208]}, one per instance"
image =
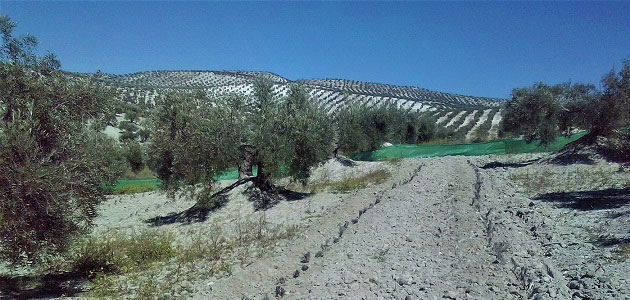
{"type": "Point", "coordinates": [154, 183]}
{"type": "Point", "coordinates": [232, 174]}
{"type": "Point", "coordinates": [506, 146]}
{"type": "Point", "coordinates": [514, 146]}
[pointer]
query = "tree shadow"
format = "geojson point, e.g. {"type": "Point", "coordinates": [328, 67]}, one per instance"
{"type": "Point", "coordinates": [498, 164]}
{"type": "Point", "coordinates": [263, 200]}
{"type": "Point", "coordinates": [199, 212]}
{"type": "Point", "coordinates": [589, 200]}
{"type": "Point", "coordinates": [609, 241]}
{"type": "Point", "coordinates": [195, 214]}
{"type": "Point", "coordinates": [346, 162]}
{"type": "Point", "coordinates": [41, 286]}
{"type": "Point", "coordinates": [569, 158]}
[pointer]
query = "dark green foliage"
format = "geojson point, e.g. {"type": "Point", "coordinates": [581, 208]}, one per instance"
{"type": "Point", "coordinates": [143, 132]}
{"type": "Point", "coordinates": [575, 101]}
{"type": "Point", "coordinates": [190, 142]}
{"type": "Point", "coordinates": [295, 132]}
{"type": "Point", "coordinates": [128, 131]}
{"type": "Point", "coordinates": [533, 112]}
{"type": "Point", "coordinates": [265, 132]}
{"type": "Point", "coordinates": [128, 126]}
{"type": "Point", "coordinates": [132, 112]}
{"type": "Point", "coordinates": [134, 156]}
{"type": "Point", "coordinates": [543, 111]}
{"type": "Point", "coordinates": [194, 138]}
{"type": "Point", "coordinates": [309, 133]}
{"type": "Point", "coordinates": [612, 111]}
{"type": "Point", "coordinates": [361, 128]}
{"type": "Point", "coordinates": [53, 169]}
{"type": "Point", "coordinates": [350, 121]}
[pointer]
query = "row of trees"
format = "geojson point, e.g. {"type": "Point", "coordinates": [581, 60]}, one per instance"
{"type": "Point", "coordinates": [56, 164]}
{"type": "Point", "coordinates": [543, 112]}
{"type": "Point", "coordinates": [362, 128]}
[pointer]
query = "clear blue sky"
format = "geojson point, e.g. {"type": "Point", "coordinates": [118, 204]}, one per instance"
{"type": "Point", "coordinates": [479, 49]}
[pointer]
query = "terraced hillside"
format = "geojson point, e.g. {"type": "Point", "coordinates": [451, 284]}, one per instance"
{"type": "Point", "coordinates": [476, 118]}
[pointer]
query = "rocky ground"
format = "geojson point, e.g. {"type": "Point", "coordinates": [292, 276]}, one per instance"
{"type": "Point", "coordinates": [442, 228]}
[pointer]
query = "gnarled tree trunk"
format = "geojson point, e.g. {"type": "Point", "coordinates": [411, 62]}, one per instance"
{"type": "Point", "coordinates": [246, 162]}
{"type": "Point", "coordinates": [263, 178]}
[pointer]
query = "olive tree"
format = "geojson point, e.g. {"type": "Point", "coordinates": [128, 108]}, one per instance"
{"type": "Point", "coordinates": [190, 144]}
{"type": "Point", "coordinates": [310, 133]}
{"type": "Point", "coordinates": [294, 132]}
{"type": "Point", "coordinates": [54, 169]}
{"type": "Point", "coordinates": [195, 138]}
{"type": "Point", "coordinates": [612, 111]}
{"type": "Point", "coordinates": [534, 113]}
{"type": "Point", "coordinates": [362, 128]}
{"type": "Point", "coordinates": [542, 111]}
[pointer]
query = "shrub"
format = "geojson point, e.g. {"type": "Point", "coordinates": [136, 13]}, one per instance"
{"type": "Point", "coordinates": [118, 252]}
{"type": "Point", "coordinates": [542, 111]}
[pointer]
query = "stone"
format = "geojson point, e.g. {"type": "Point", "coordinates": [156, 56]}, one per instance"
{"type": "Point", "coordinates": [574, 285]}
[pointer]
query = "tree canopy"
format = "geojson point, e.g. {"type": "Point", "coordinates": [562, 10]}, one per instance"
{"type": "Point", "coordinates": [542, 111]}
{"type": "Point", "coordinates": [53, 167]}
{"type": "Point", "coordinates": [196, 137]}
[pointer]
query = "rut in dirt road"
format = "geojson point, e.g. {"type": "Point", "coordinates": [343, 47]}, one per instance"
{"type": "Point", "coordinates": [424, 240]}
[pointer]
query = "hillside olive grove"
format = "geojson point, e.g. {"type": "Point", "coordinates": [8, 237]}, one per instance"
{"type": "Point", "coordinates": [57, 165]}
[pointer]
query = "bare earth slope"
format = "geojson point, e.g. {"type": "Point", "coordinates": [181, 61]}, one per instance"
{"type": "Point", "coordinates": [440, 228]}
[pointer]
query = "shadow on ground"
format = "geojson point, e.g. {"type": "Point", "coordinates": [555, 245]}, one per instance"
{"type": "Point", "coordinates": [267, 200]}
{"type": "Point", "coordinates": [569, 158]}
{"type": "Point", "coordinates": [194, 214]}
{"type": "Point", "coordinates": [346, 162]}
{"type": "Point", "coordinates": [609, 241]}
{"type": "Point", "coordinates": [41, 287]}
{"type": "Point", "coordinates": [260, 201]}
{"type": "Point", "coordinates": [589, 200]}
{"type": "Point", "coordinates": [497, 164]}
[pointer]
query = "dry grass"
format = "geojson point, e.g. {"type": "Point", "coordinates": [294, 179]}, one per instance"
{"type": "Point", "coordinates": [579, 178]}
{"type": "Point", "coordinates": [346, 184]}
{"type": "Point", "coordinates": [117, 252]}
{"type": "Point", "coordinates": [152, 264]}
{"type": "Point", "coordinates": [623, 253]}
{"type": "Point", "coordinates": [354, 183]}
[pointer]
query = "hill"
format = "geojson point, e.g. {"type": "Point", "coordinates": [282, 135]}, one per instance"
{"type": "Point", "coordinates": [472, 117]}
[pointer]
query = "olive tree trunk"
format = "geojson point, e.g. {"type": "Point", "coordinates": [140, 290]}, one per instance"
{"type": "Point", "coordinates": [246, 162]}
{"type": "Point", "coordinates": [263, 178]}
